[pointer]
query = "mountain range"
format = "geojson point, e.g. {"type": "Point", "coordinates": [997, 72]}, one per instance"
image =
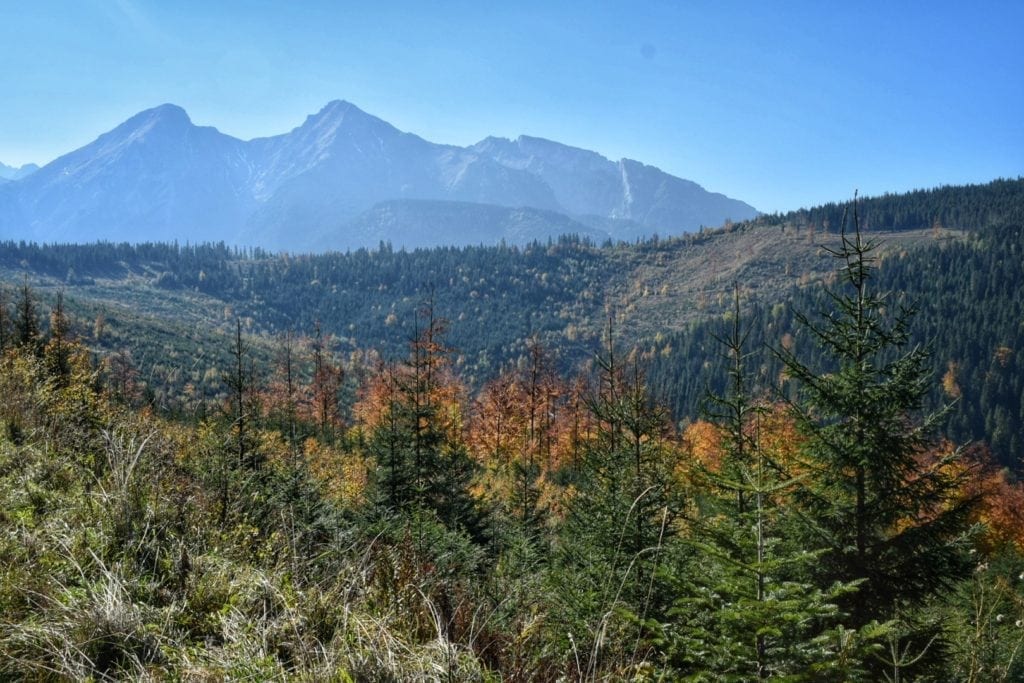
{"type": "Point", "coordinates": [9, 173]}
{"type": "Point", "coordinates": [344, 179]}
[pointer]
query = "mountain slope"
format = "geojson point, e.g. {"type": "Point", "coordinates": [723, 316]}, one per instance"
{"type": "Point", "coordinates": [585, 182]}
{"type": "Point", "coordinates": [159, 177]}
{"type": "Point", "coordinates": [145, 180]}
{"type": "Point", "coordinates": [8, 173]}
{"type": "Point", "coordinates": [418, 223]}
{"type": "Point", "coordinates": [342, 161]}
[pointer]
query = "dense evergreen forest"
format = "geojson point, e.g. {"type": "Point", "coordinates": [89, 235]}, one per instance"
{"type": "Point", "coordinates": [460, 464]}
{"type": "Point", "coordinates": [968, 295]}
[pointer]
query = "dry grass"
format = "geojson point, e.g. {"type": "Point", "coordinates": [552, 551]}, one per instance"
{"type": "Point", "coordinates": [667, 288]}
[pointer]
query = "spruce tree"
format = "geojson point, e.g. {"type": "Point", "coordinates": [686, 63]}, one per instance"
{"type": "Point", "coordinates": [26, 324]}
{"type": "Point", "coordinates": [422, 460]}
{"type": "Point", "coordinates": [538, 390]}
{"type": "Point", "coordinates": [327, 381]}
{"type": "Point", "coordinates": [241, 384]}
{"type": "Point", "coordinates": [879, 508]}
{"type": "Point", "coordinates": [57, 355]}
{"type": "Point", "coordinates": [743, 609]}
{"type": "Point", "coordinates": [622, 515]}
{"type": "Point", "coordinates": [5, 320]}
{"type": "Point", "coordinates": [390, 445]}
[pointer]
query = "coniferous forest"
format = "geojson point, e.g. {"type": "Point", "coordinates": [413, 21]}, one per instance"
{"type": "Point", "coordinates": [569, 461]}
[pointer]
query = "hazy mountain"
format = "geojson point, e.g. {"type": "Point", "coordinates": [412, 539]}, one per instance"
{"type": "Point", "coordinates": [154, 177]}
{"type": "Point", "coordinates": [585, 182]}
{"type": "Point", "coordinates": [8, 173]}
{"type": "Point", "coordinates": [415, 223]}
{"type": "Point", "coordinates": [159, 177]}
{"type": "Point", "coordinates": [343, 161]}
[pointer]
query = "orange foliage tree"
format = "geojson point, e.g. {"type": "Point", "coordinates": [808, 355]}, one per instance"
{"type": "Point", "coordinates": [1000, 500]}
{"type": "Point", "coordinates": [514, 433]}
{"type": "Point", "coordinates": [412, 417]}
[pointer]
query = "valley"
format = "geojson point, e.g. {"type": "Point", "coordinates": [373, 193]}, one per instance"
{"type": "Point", "coordinates": [356, 458]}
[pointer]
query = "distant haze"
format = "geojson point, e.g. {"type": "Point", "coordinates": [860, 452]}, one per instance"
{"type": "Point", "coordinates": [343, 179]}
{"type": "Point", "coordinates": [12, 173]}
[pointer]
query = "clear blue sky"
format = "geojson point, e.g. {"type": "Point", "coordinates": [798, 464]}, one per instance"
{"type": "Point", "coordinates": [781, 104]}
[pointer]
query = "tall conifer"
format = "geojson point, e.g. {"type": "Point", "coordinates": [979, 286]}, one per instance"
{"type": "Point", "coordinates": [879, 507]}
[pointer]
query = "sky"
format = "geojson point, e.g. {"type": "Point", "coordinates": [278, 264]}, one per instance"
{"type": "Point", "coordinates": [782, 104]}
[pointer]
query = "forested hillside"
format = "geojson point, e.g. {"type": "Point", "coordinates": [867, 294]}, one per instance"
{"type": "Point", "coordinates": [968, 294]}
{"type": "Point", "coordinates": [522, 464]}
{"type": "Point", "coordinates": [171, 308]}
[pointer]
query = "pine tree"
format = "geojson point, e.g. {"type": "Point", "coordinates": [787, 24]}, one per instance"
{"type": "Point", "coordinates": [877, 510]}
{"type": "Point", "coordinates": [26, 324]}
{"type": "Point", "coordinates": [622, 515]}
{"type": "Point", "coordinates": [743, 610]}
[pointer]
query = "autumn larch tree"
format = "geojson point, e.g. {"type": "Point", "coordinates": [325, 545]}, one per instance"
{"type": "Point", "coordinates": [327, 380]}
{"type": "Point", "coordinates": [423, 461]}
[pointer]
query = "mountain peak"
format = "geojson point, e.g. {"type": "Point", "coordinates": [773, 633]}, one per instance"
{"type": "Point", "coordinates": [339, 117]}
{"type": "Point", "coordinates": [533, 140]}
{"type": "Point", "coordinates": [532, 144]}
{"type": "Point", "coordinates": [338, 111]}
{"type": "Point", "coordinates": [167, 112]}
{"type": "Point", "coordinates": [338, 106]}
{"type": "Point", "coordinates": [168, 117]}
{"type": "Point", "coordinates": [494, 140]}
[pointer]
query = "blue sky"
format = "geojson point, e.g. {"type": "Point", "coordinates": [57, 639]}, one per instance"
{"type": "Point", "coordinates": [780, 104]}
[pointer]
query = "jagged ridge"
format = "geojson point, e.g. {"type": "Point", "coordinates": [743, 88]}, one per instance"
{"type": "Point", "coordinates": [158, 176]}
